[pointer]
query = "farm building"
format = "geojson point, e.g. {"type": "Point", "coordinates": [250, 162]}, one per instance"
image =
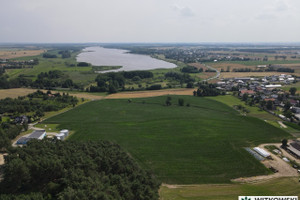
{"type": "Point", "coordinates": [38, 134]}
{"type": "Point", "coordinates": [62, 135]}
{"type": "Point", "coordinates": [65, 132]}
{"type": "Point", "coordinates": [262, 152]}
{"type": "Point", "coordinates": [273, 86]}
{"type": "Point", "coordinates": [23, 140]}
{"type": "Point", "coordinates": [294, 148]}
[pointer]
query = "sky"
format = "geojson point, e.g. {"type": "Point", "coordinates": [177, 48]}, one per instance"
{"type": "Point", "coordinates": [149, 21]}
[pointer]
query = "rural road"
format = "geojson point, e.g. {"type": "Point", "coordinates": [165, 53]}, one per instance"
{"type": "Point", "coordinates": [216, 76]}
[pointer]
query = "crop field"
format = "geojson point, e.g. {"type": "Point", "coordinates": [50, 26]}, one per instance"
{"type": "Point", "coordinates": [16, 53]}
{"type": "Point", "coordinates": [279, 186]}
{"type": "Point", "coordinates": [202, 143]}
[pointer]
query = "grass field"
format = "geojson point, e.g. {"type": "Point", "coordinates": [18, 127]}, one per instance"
{"type": "Point", "coordinates": [280, 187]}
{"type": "Point", "coordinates": [182, 145]}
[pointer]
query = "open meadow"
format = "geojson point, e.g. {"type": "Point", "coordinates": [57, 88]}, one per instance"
{"type": "Point", "coordinates": [202, 143]}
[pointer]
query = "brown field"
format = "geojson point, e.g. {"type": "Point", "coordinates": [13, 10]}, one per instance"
{"type": "Point", "coordinates": [232, 66]}
{"type": "Point", "coordinates": [248, 74]}
{"type": "Point", "coordinates": [16, 92]}
{"type": "Point", "coordinates": [19, 53]}
{"type": "Point", "coordinates": [154, 93]}
{"type": "Point", "coordinates": [198, 65]}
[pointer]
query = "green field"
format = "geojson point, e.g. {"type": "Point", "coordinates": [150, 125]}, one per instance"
{"type": "Point", "coordinates": [280, 186]}
{"type": "Point", "coordinates": [184, 145]}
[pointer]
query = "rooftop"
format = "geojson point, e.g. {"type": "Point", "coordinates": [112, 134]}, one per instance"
{"type": "Point", "coordinates": [37, 134]}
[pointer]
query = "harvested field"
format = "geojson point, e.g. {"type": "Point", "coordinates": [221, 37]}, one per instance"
{"type": "Point", "coordinates": [16, 92]}
{"type": "Point", "coordinates": [198, 65]}
{"type": "Point", "coordinates": [141, 94]}
{"type": "Point", "coordinates": [231, 66]}
{"type": "Point", "coordinates": [19, 53]}
{"type": "Point", "coordinates": [248, 74]}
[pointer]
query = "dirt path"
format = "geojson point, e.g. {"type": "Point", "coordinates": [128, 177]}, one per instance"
{"type": "Point", "coordinates": [154, 93]}
{"type": "Point", "coordinates": [2, 158]}
{"type": "Point", "coordinates": [282, 124]}
{"type": "Point", "coordinates": [284, 169]}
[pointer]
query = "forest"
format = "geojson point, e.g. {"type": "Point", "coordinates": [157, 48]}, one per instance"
{"type": "Point", "coordinates": [52, 169]}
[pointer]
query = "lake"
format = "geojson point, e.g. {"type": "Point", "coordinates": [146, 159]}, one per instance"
{"type": "Point", "coordinates": [99, 56]}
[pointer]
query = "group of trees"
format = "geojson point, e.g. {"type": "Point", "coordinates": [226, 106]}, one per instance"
{"type": "Point", "coordinates": [48, 55]}
{"type": "Point", "coordinates": [205, 89]}
{"type": "Point", "coordinates": [113, 82]}
{"type": "Point", "coordinates": [53, 79]}
{"type": "Point", "coordinates": [45, 80]}
{"type": "Point", "coordinates": [36, 102]}
{"type": "Point", "coordinates": [52, 169]}
{"type": "Point", "coordinates": [181, 77]}
{"type": "Point", "coordinates": [65, 54]}
{"type": "Point", "coordinates": [191, 69]}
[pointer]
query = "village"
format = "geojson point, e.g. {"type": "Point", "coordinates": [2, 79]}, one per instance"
{"type": "Point", "coordinates": [267, 93]}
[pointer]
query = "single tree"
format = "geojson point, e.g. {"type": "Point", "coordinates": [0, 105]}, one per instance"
{"type": "Point", "coordinates": [181, 102]}
{"type": "Point", "coordinates": [293, 90]}
{"type": "Point", "coordinates": [284, 142]}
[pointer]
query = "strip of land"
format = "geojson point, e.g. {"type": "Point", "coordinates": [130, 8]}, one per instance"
{"type": "Point", "coordinates": [154, 93]}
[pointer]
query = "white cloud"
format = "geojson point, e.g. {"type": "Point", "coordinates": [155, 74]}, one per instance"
{"type": "Point", "coordinates": [183, 11]}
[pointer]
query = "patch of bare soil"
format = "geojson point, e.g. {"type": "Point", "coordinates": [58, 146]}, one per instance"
{"type": "Point", "coordinates": [141, 94]}
{"type": "Point", "coordinates": [2, 158]}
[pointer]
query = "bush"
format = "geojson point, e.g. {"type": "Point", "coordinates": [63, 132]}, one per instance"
{"type": "Point", "coordinates": [154, 87]}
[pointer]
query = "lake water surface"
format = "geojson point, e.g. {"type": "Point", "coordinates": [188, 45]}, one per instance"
{"type": "Point", "coordinates": [99, 56]}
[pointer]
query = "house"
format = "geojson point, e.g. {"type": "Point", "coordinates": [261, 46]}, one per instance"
{"type": "Point", "coordinates": [21, 119]}
{"type": "Point", "coordinates": [249, 92]}
{"type": "Point", "coordinates": [296, 109]}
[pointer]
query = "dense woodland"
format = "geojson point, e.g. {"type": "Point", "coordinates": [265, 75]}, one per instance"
{"type": "Point", "coordinates": [51, 169]}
